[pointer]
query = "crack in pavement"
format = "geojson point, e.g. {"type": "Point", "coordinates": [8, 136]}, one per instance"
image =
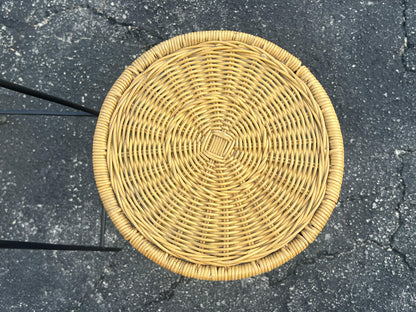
{"type": "Point", "coordinates": [130, 26]}
{"type": "Point", "coordinates": [406, 44]}
{"type": "Point", "coordinates": [100, 12]}
{"type": "Point", "coordinates": [319, 256]}
{"type": "Point", "coordinates": [330, 257]}
{"type": "Point", "coordinates": [389, 247]}
{"type": "Point", "coordinates": [100, 280]}
{"type": "Point", "coordinates": [399, 154]}
{"type": "Point", "coordinates": [324, 255]}
{"type": "Point", "coordinates": [168, 294]}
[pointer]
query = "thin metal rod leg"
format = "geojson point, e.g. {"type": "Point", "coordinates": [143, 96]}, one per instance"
{"type": "Point", "coordinates": [8, 244]}
{"type": "Point", "coordinates": [102, 230]}
{"type": "Point", "coordinates": [18, 88]}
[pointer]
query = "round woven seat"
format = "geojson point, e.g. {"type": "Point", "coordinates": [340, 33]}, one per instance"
{"type": "Point", "coordinates": [218, 155]}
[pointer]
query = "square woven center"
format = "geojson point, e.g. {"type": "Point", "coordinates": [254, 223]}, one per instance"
{"type": "Point", "coordinates": [217, 145]}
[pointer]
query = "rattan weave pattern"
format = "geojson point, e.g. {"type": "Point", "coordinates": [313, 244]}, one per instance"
{"type": "Point", "coordinates": [218, 156]}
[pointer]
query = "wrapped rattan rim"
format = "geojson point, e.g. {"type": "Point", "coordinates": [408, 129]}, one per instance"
{"type": "Point", "coordinates": [218, 155]}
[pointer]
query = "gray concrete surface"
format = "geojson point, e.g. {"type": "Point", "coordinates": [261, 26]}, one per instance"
{"type": "Point", "coordinates": [364, 54]}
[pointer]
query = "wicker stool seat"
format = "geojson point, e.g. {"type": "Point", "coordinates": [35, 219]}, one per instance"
{"type": "Point", "coordinates": [218, 155]}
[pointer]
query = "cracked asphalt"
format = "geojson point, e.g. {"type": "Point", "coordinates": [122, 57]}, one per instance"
{"type": "Point", "coordinates": [364, 54]}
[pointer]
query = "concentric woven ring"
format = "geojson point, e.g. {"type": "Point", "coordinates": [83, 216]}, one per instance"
{"type": "Point", "coordinates": [218, 156]}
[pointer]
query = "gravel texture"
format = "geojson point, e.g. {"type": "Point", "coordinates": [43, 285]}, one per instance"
{"type": "Point", "coordinates": [363, 53]}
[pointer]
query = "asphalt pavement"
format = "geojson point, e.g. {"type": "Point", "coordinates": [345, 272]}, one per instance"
{"type": "Point", "coordinates": [363, 53]}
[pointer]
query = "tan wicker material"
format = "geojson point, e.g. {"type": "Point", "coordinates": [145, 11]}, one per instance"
{"type": "Point", "coordinates": [218, 156]}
